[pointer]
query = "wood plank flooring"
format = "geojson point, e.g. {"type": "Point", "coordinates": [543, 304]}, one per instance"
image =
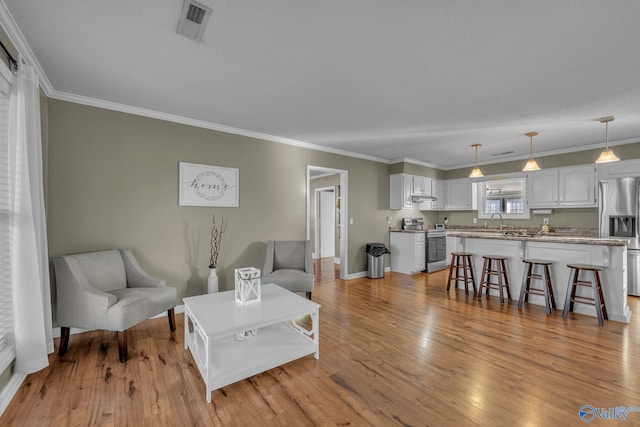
{"type": "Point", "coordinates": [394, 351]}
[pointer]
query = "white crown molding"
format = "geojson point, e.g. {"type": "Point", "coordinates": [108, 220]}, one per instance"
{"type": "Point", "coordinates": [415, 162]}
{"type": "Point", "coordinates": [78, 99]}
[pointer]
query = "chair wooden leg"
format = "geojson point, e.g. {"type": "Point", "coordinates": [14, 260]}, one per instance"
{"type": "Point", "coordinates": [171, 314]}
{"type": "Point", "coordinates": [64, 340]}
{"type": "Point", "coordinates": [122, 346]}
{"type": "Point", "coordinates": [308, 295]}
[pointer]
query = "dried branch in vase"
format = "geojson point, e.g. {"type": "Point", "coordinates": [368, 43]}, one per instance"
{"type": "Point", "coordinates": [217, 231]}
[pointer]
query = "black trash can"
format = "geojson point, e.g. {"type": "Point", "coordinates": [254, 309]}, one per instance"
{"type": "Point", "coordinates": [375, 260]}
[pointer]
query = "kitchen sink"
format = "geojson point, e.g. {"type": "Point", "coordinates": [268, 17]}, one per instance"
{"type": "Point", "coordinates": [523, 233]}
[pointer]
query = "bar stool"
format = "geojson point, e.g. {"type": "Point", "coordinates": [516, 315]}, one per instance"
{"type": "Point", "coordinates": [461, 261]}
{"type": "Point", "coordinates": [494, 265]}
{"type": "Point", "coordinates": [596, 287]}
{"type": "Point", "coordinates": [545, 276]}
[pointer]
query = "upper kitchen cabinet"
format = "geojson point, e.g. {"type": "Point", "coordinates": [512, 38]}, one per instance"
{"type": "Point", "coordinates": [577, 186]}
{"type": "Point", "coordinates": [542, 188]}
{"type": "Point", "coordinates": [400, 189]}
{"type": "Point", "coordinates": [459, 194]}
{"type": "Point", "coordinates": [621, 169]}
{"type": "Point", "coordinates": [437, 191]}
{"type": "Point", "coordinates": [403, 187]}
{"type": "Point", "coordinates": [573, 186]}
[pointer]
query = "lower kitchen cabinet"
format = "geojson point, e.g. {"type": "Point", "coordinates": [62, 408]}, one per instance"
{"type": "Point", "coordinates": [407, 252]}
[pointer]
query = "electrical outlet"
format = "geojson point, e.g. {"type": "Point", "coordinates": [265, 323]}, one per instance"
{"type": "Point", "coordinates": [350, 221]}
{"type": "Point", "coordinates": [475, 220]}
{"type": "Point", "coordinates": [545, 220]}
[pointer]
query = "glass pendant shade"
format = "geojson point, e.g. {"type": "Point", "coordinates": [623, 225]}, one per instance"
{"type": "Point", "coordinates": [607, 154]}
{"type": "Point", "coordinates": [531, 164]}
{"type": "Point", "coordinates": [476, 172]}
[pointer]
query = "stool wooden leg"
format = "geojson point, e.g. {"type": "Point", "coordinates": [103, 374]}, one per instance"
{"type": "Point", "coordinates": [571, 290]}
{"type": "Point", "coordinates": [482, 278]}
{"type": "Point", "coordinates": [499, 273]}
{"type": "Point", "coordinates": [544, 276]}
{"type": "Point", "coordinates": [451, 267]}
{"type": "Point", "coordinates": [505, 277]}
{"type": "Point", "coordinates": [604, 305]}
{"type": "Point", "coordinates": [552, 299]}
{"type": "Point", "coordinates": [473, 277]}
{"type": "Point", "coordinates": [596, 297]}
{"type": "Point", "coordinates": [523, 287]}
{"type": "Point", "coordinates": [465, 275]}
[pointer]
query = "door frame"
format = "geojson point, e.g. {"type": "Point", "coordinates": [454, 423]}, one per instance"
{"type": "Point", "coordinates": [344, 213]}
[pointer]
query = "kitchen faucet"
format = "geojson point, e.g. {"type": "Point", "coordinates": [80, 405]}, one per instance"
{"type": "Point", "coordinates": [499, 215]}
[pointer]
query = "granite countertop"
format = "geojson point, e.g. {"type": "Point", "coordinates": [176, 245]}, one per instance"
{"type": "Point", "coordinates": [400, 230]}
{"type": "Point", "coordinates": [544, 237]}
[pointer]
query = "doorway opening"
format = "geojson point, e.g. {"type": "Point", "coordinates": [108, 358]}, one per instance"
{"type": "Point", "coordinates": [326, 219]}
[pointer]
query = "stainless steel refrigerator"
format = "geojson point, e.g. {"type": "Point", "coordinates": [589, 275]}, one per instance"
{"type": "Point", "coordinates": [619, 209]}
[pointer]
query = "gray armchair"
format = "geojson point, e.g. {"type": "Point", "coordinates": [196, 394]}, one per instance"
{"type": "Point", "coordinates": [108, 290]}
{"type": "Point", "coordinates": [288, 264]}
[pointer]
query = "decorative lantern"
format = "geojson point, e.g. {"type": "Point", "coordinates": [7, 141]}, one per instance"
{"type": "Point", "coordinates": [248, 285]}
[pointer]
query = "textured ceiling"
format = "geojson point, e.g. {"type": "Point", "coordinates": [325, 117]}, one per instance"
{"type": "Point", "coordinates": [412, 79]}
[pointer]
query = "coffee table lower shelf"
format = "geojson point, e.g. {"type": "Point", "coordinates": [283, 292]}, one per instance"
{"type": "Point", "coordinates": [232, 361]}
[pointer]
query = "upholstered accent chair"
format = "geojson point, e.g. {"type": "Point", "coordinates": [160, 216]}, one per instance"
{"type": "Point", "coordinates": [108, 290]}
{"type": "Point", "coordinates": [288, 264]}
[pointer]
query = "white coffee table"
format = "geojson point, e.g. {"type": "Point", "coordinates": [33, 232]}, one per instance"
{"type": "Point", "coordinates": [212, 321]}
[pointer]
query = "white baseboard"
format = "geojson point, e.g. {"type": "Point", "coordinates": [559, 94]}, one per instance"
{"type": "Point", "coordinates": [10, 390]}
{"type": "Point", "coordinates": [364, 274]}
{"type": "Point", "coordinates": [56, 331]}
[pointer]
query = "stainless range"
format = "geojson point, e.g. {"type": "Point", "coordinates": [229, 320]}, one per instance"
{"type": "Point", "coordinates": [436, 250]}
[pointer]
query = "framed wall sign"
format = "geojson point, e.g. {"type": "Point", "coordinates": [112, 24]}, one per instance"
{"type": "Point", "coordinates": [204, 185]}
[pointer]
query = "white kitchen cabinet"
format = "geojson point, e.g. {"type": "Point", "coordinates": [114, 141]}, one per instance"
{"type": "Point", "coordinates": [407, 252]}
{"type": "Point", "coordinates": [458, 194]}
{"type": "Point", "coordinates": [573, 186]}
{"type": "Point", "coordinates": [437, 191]}
{"type": "Point", "coordinates": [400, 189]}
{"type": "Point", "coordinates": [542, 188]}
{"type": "Point", "coordinates": [577, 186]}
{"type": "Point", "coordinates": [621, 169]}
{"type": "Point", "coordinates": [418, 185]}
{"type": "Point", "coordinates": [430, 188]}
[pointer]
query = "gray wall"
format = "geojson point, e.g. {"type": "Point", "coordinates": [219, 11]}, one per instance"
{"type": "Point", "coordinates": [113, 182]}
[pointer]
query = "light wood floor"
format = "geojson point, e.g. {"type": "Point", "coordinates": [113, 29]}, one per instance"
{"type": "Point", "coordinates": [325, 269]}
{"type": "Point", "coordinates": [394, 351]}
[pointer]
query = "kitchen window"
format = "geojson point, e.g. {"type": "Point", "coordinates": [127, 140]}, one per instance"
{"type": "Point", "coordinates": [505, 197]}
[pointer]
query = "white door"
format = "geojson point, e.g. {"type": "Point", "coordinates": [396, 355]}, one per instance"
{"type": "Point", "coordinates": [327, 224]}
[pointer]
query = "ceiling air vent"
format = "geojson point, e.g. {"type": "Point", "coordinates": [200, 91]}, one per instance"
{"type": "Point", "coordinates": [193, 19]}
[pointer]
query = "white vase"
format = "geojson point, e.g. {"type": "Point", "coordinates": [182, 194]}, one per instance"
{"type": "Point", "coordinates": [212, 282]}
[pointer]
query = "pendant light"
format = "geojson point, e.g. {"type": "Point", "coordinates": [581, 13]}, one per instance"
{"type": "Point", "coordinates": [531, 164]}
{"type": "Point", "coordinates": [607, 154]}
{"type": "Point", "coordinates": [476, 172]}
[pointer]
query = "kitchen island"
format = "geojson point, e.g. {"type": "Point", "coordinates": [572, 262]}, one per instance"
{"type": "Point", "coordinates": [561, 250]}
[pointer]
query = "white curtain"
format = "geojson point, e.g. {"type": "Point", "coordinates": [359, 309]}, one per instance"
{"type": "Point", "coordinates": [31, 290]}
